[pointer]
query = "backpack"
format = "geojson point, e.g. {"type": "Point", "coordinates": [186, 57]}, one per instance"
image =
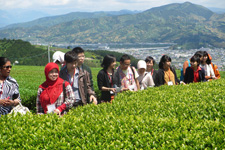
{"type": "Point", "coordinates": [216, 71]}
{"type": "Point", "coordinates": [182, 71]}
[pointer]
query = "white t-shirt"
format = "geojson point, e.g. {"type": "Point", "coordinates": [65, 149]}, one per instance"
{"type": "Point", "coordinates": [146, 81]}
{"type": "Point", "coordinates": [208, 70]}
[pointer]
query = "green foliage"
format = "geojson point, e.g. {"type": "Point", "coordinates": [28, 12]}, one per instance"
{"type": "Point", "coordinates": [167, 117]}
{"type": "Point", "coordinates": [29, 78]}
{"type": "Point", "coordinates": [92, 59]}
{"type": "Point", "coordinates": [222, 74]}
{"type": "Point", "coordinates": [23, 52]}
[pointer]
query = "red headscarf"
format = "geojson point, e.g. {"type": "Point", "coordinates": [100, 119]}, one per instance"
{"type": "Point", "coordinates": [52, 89]}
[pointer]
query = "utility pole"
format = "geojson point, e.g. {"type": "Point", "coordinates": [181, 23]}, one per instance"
{"type": "Point", "coordinates": [49, 53]}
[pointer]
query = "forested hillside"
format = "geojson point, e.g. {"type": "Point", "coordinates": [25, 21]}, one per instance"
{"type": "Point", "coordinates": [23, 52]}
{"type": "Point", "coordinates": [54, 20]}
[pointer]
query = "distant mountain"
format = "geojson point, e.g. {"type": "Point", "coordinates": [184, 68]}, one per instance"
{"type": "Point", "coordinates": [180, 23]}
{"type": "Point", "coordinates": [217, 10]}
{"type": "Point", "coordinates": [19, 15]}
{"type": "Point", "coordinates": [54, 20]}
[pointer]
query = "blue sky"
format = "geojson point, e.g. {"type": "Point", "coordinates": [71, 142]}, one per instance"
{"type": "Point", "coordinates": [65, 6]}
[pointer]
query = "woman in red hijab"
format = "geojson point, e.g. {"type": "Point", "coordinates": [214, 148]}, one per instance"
{"type": "Point", "coordinates": [50, 96]}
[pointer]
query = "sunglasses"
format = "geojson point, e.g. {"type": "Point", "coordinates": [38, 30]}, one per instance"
{"type": "Point", "coordinates": [7, 67]}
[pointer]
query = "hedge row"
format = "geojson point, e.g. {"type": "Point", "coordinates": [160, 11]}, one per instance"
{"type": "Point", "coordinates": [166, 117]}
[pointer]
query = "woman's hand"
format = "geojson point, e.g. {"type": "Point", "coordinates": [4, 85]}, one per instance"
{"type": "Point", "coordinates": [57, 112]}
{"type": "Point", "coordinates": [93, 99]}
{"type": "Point", "coordinates": [113, 90]}
{"type": "Point", "coordinates": [215, 78]}
{"type": "Point", "coordinates": [2, 101]}
{"type": "Point", "coordinates": [181, 82]}
{"type": "Point", "coordinates": [8, 102]}
{"type": "Point", "coordinates": [124, 89]}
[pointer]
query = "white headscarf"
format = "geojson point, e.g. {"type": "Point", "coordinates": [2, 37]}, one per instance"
{"type": "Point", "coordinates": [58, 55]}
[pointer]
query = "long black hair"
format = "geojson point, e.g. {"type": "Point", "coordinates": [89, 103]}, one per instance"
{"type": "Point", "coordinates": [3, 61]}
{"type": "Point", "coordinates": [199, 54]}
{"type": "Point", "coordinates": [107, 60]}
{"type": "Point", "coordinates": [164, 59]}
{"type": "Point", "coordinates": [208, 61]}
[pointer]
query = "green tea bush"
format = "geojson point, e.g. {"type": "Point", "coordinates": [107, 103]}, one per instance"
{"type": "Point", "coordinates": [167, 117]}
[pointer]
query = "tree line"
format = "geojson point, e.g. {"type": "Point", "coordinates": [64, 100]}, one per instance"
{"type": "Point", "coordinates": [23, 53]}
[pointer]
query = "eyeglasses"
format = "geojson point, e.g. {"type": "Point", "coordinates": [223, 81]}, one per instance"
{"type": "Point", "coordinates": [126, 64]}
{"type": "Point", "coordinates": [7, 67]}
{"type": "Point", "coordinates": [81, 56]}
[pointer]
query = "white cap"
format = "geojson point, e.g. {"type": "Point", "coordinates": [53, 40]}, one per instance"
{"type": "Point", "coordinates": [141, 64]}
{"type": "Point", "coordinates": [58, 55]}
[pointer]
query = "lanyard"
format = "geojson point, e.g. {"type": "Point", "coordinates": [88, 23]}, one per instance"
{"type": "Point", "coordinates": [71, 77]}
{"type": "Point", "coordinates": [152, 72]}
{"type": "Point", "coordinates": [110, 79]}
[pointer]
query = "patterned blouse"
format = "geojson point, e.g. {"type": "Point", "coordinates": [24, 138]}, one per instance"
{"type": "Point", "coordinates": [9, 89]}
{"type": "Point", "coordinates": [69, 100]}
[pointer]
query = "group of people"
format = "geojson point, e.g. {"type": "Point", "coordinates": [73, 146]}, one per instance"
{"type": "Point", "coordinates": [72, 85]}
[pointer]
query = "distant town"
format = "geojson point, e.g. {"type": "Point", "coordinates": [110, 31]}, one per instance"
{"type": "Point", "coordinates": [156, 50]}
{"type": "Point", "coordinates": [178, 56]}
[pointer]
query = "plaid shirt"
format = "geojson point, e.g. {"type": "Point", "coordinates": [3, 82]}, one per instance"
{"type": "Point", "coordinates": [69, 100]}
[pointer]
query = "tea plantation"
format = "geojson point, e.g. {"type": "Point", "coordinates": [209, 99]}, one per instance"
{"type": "Point", "coordinates": [167, 117]}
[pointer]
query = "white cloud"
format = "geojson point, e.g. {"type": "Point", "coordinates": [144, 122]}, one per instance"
{"type": "Point", "coordinates": [99, 5]}
{"type": "Point", "coordinates": [9, 4]}
{"type": "Point", "coordinates": [52, 2]}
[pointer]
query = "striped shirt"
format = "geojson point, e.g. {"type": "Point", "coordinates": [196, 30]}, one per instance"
{"type": "Point", "coordinates": [69, 100]}
{"type": "Point", "coordinates": [9, 89]}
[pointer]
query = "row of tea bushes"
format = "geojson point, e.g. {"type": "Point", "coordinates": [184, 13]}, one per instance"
{"type": "Point", "coordinates": [167, 117]}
